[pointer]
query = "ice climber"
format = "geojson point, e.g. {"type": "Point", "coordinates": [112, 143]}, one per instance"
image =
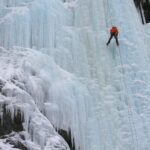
{"type": "Point", "coordinates": [113, 33]}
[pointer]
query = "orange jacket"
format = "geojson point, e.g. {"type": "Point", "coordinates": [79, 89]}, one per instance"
{"type": "Point", "coordinates": [114, 30]}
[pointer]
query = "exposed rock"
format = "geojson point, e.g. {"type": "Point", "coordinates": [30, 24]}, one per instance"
{"type": "Point", "coordinates": [8, 124]}
{"type": "Point", "coordinates": [68, 138]}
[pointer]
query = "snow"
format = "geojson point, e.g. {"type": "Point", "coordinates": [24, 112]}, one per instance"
{"type": "Point", "coordinates": [22, 96]}
{"type": "Point", "coordinates": [4, 146]}
{"type": "Point", "coordinates": [56, 68]}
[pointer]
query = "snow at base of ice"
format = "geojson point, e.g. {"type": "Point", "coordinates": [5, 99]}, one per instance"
{"type": "Point", "coordinates": [56, 68]}
{"type": "Point", "coordinates": [4, 146]}
{"type": "Point", "coordinates": [25, 88]}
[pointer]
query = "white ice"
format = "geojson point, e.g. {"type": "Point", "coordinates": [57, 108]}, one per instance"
{"type": "Point", "coordinates": [57, 69]}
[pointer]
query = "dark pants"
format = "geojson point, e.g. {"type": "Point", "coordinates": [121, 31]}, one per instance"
{"type": "Point", "coordinates": [116, 38]}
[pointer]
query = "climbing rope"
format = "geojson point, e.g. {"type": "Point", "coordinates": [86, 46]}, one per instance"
{"type": "Point", "coordinates": [130, 113]}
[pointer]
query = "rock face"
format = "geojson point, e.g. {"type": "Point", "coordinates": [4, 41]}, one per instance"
{"type": "Point", "coordinates": [68, 138]}
{"type": "Point", "coordinates": [144, 8]}
{"type": "Point", "coordinates": [11, 128]}
{"type": "Point", "coordinates": [9, 124]}
{"type": "Point", "coordinates": [15, 139]}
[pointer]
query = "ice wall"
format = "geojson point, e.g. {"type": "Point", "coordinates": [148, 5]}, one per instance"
{"type": "Point", "coordinates": [56, 93]}
{"type": "Point", "coordinates": [32, 23]}
{"type": "Point", "coordinates": [121, 74]}
{"type": "Point", "coordinates": [59, 72]}
{"type": "Point", "coordinates": [24, 25]}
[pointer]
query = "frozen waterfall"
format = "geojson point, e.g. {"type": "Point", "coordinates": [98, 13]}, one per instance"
{"type": "Point", "coordinates": [57, 70]}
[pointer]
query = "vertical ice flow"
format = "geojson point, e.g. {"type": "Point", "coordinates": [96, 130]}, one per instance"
{"type": "Point", "coordinates": [100, 93]}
